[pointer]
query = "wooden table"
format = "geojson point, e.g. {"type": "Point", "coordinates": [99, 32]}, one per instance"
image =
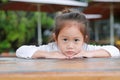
{"type": "Point", "coordinates": [12, 68]}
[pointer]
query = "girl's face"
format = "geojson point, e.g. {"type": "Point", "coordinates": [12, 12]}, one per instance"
{"type": "Point", "coordinates": [70, 39]}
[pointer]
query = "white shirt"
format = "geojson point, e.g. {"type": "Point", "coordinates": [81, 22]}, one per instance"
{"type": "Point", "coordinates": [26, 51]}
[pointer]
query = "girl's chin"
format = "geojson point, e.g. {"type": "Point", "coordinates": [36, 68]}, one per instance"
{"type": "Point", "coordinates": [69, 55]}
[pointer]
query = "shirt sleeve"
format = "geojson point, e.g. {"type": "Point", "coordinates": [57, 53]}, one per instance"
{"type": "Point", "coordinates": [26, 51]}
{"type": "Point", "coordinates": [112, 50]}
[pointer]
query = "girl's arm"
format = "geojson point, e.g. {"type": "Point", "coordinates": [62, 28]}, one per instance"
{"type": "Point", "coordinates": [93, 53]}
{"type": "Point", "coordinates": [99, 51]}
{"type": "Point", "coordinates": [37, 52]}
{"type": "Point", "coordinates": [26, 51]}
{"type": "Point", "coordinates": [45, 54]}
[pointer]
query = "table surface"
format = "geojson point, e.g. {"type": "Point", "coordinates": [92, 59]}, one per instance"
{"type": "Point", "coordinates": [11, 65]}
{"type": "Point", "coordinates": [81, 66]}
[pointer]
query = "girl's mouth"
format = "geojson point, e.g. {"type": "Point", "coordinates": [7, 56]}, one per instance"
{"type": "Point", "coordinates": [70, 53]}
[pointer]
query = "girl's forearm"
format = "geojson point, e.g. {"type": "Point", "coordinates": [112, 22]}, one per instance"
{"type": "Point", "coordinates": [98, 53]}
{"type": "Point", "coordinates": [45, 54]}
{"type": "Point", "coordinates": [93, 54]}
{"type": "Point", "coordinates": [40, 54]}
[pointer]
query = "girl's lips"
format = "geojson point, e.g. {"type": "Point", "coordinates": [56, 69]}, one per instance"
{"type": "Point", "coordinates": [70, 53]}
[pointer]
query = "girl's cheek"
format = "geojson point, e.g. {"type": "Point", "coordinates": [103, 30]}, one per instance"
{"type": "Point", "coordinates": [80, 49]}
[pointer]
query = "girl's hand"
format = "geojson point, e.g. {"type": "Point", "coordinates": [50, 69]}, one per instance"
{"type": "Point", "coordinates": [45, 54]}
{"type": "Point", "coordinates": [83, 54]}
{"type": "Point", "coordinates": [93, 54]}
{"type": "Point", "coordinates": [55, 54]}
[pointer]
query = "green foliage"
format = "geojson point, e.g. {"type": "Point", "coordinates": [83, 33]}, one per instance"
{"type": "Point", "coordinates": [4, 1]}
{"type": "Point", "coordinates": [17, 28]}
{"type": "Point", "coordinates": [46, 21]}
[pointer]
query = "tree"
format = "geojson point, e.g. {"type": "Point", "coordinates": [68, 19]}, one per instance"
{"type": "Point", "coordinates": [18, 28]}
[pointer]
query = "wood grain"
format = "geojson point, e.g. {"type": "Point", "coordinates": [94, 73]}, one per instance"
{"type": "Point", "coordinates": [55, 69]}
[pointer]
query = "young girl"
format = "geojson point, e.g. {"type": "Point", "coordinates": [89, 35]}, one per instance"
{"type": "Point", "coordinates": [70, 41]}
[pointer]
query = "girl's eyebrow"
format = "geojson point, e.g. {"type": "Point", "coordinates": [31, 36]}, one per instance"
{"type": "Point", "coordinates": [67, 36]}
{"type": "Point", "coordinates": [63, 36]}
{"type": "Point", "coordinates": [77, 37]}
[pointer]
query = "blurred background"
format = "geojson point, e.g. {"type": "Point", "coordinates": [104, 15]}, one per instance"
{"type": "Point", "coordinates": [20, 27]}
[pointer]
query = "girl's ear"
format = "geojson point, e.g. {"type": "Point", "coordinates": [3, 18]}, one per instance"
{"type": "Point", "coordinates": [54, 37]}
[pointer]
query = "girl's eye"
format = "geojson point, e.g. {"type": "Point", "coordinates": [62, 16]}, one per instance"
{"type": "Point", "coordinates": [65, 39]}
{"type": "Point", "coordinates": [76, 40]}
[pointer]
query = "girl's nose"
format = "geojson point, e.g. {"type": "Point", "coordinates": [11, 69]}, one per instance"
{"type": "Point", "coordinates": [70, 45]}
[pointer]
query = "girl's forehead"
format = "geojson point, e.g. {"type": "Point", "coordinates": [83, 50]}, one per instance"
{"type": "Point", "coordinates": [71, 32]}
{"type": "Point", "coordinates": [70, 23]}
{"type": "Point", "coordinates": [71, 28]}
